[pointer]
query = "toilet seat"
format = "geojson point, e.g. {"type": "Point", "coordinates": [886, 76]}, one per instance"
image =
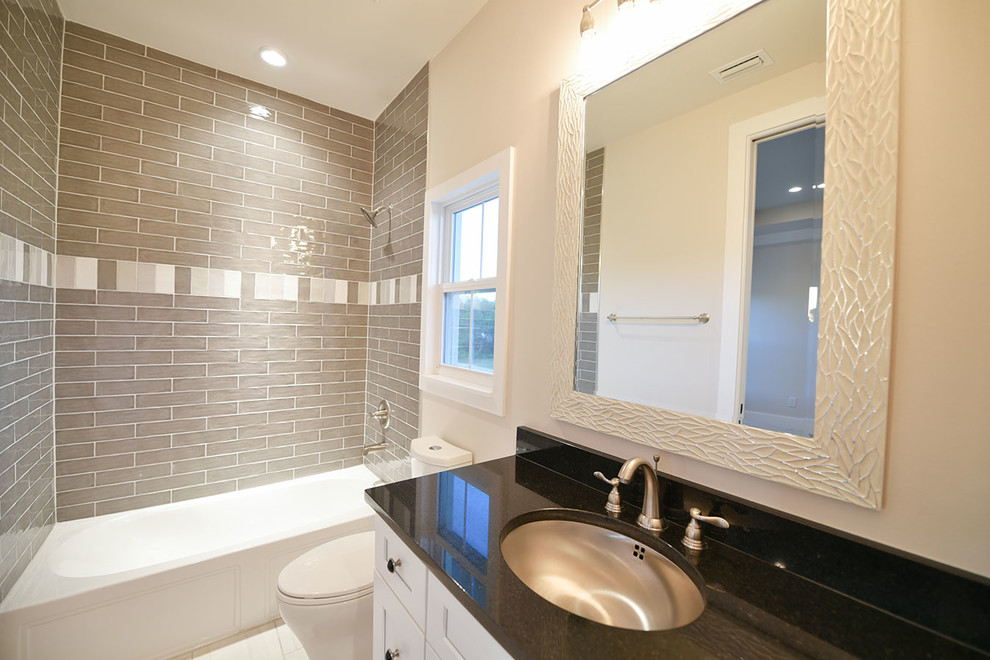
{"type": "Point", "coordinates": [295, 600]}
{"type": "Point", "coordinates": [317, 578]}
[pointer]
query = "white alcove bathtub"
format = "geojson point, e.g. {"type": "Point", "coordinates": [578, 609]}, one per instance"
{"type": "Point", "coordinates": [160, 581]}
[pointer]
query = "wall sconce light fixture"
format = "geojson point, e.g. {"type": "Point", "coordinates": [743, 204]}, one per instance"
{"type": "Point", "coordinates": [588, 21]}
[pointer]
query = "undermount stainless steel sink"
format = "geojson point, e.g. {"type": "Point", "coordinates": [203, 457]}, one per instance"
{"type": "Point", "coordinates": [602, 569]}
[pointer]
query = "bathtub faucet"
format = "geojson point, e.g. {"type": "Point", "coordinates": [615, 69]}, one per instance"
{"type": "Point", "coordinates": [370, 448]}
{"type": "Point", "coordinates": [383, 414]}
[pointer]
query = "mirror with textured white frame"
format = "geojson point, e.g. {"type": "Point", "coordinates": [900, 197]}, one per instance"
{"type": "Point", "coordinates": [662, 144]}
{"type": "Point", "coordinates": [844, 457]}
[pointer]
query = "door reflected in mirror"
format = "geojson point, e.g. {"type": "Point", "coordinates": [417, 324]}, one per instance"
{"type": "Point", "coordinates": [781, 353]}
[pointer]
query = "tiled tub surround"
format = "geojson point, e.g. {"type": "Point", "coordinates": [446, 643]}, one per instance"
{"type": "Point", "coordinates": [167, 397]}
{"type": "Point", "coordinates": [775, 588]}
{"type": "Point", "coordinates": [26, 433]}
{"type": "Point", "coordinates": [212, 281]}
{"type": "Point", "coordinates": [397, 256]}
{"type": "Point", "coordinates": [30, 65]}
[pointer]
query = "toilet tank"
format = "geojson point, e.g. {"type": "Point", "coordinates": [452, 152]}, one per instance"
{"type": "Point", "coordinates": [434, 454]}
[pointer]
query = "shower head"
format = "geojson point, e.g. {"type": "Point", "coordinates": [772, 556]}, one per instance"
{"type": "Point", "coordinates": [371, 215]}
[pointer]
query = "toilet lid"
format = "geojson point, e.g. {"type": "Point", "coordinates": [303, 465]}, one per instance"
{"type": "Point", "coordinates": [437, 451]}
{"type": "Point", "coordinates": [338, 568]}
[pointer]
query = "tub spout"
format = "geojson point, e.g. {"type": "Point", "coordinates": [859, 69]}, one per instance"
{"type": "Point", "coordinates": [370, 448]}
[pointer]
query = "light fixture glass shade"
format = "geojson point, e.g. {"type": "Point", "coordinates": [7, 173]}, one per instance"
{"type": "Point", "coordinates": [587, 23]}
{"type": "Point", "coordinates": [273, 56]}
{"type": "Point", "coordinates": [626, 5]}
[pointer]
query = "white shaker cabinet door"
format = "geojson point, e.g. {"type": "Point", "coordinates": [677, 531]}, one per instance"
{"type": "Point", "coordinates": [402, 571]}
{"type": "Point", "coordinates": [452, 632]}
{"type": "Point", "coordinates": [396, 634]}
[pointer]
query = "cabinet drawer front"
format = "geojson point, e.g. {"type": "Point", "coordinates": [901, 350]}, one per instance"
{"type": "Point", "coordinates": [453, 633]}
{"type": "Point", "coordinates": [408, 577]}
{"type": "Point", "coordinates": [394, 629]}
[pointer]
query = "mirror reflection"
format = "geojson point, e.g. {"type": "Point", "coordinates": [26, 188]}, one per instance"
{"type": "Point", "coordinates": [700, 267]}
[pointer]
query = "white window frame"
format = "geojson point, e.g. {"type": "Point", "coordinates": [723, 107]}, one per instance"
{"type": "Point", "coordinates": [473, 388]}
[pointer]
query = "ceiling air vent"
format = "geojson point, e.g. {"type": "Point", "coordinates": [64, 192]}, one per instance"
{"type": "Point", "coordinates": [742, 66]}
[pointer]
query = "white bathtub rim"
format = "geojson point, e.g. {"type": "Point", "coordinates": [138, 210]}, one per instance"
{"type": "Point", "coordinates": [39, 584]}
{"type": "Point", "coordinates": [93, 528]}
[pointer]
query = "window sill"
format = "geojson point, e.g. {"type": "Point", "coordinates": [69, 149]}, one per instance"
{"type": "Point", "coordinates": [469, 394]}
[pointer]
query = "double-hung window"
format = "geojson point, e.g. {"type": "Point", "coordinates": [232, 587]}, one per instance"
{"type": "Point", "coordinates": [469, 283]}
{"type": "Point", "coordinates": [464, 338]}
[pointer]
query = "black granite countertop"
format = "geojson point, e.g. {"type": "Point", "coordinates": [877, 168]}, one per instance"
{"type": "Point", "coordinates": [775, 588]}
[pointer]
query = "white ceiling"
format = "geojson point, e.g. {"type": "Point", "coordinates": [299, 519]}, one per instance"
{"type": "Point", "coordinates": [796, 159]}
{"type": "Point", "coordinates": [354, 55]}
{"type": "Point", "coordinates": [792, 33]}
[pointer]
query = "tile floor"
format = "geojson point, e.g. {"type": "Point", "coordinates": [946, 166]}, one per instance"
{"type": "Point", "coordinates": [270, 641]}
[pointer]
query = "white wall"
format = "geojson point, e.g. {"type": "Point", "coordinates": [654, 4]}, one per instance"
{"type": "Point", "coordinates": [661, 253]}
{"type": "Point", "coordinates": [495, 85]}
{"type": "Point", "coordinates": [663, 247]}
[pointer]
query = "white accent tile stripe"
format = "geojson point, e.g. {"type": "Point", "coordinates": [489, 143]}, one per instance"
{"type": "Point", "coordinates": [232, 284]}
{"type": "Point", "coordinates": [320, 290]}
{"type": "Point", "coordinates": [340, 291]}
{"type": "Point", "coordinates": [27, 264]}
{"type": "Point", "coordinates": [214, 282]}
{"type": "Point", "coordinates": [81, 273]}
{"type": "Point", "coordinates": [84, 273]}
{"type": "Point", "coordinates": [276, 287]}
{"type": "Point", "coordinates": [364, 293]}
{"type": "Point", "coordinates": [409, 290]}
{"type": "Point", "coordinates": [136, 277]}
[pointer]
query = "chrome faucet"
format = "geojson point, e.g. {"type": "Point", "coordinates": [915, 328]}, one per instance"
{"type": "Point", "coordinates": [650, 517]}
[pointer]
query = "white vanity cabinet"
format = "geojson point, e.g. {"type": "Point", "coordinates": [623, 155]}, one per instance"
{"type": "Point", "coordinates": [416, 616]}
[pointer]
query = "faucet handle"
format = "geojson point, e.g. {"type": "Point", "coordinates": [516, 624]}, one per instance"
{"type": "Point", "coordinates": [693, 538]}
{"type": "Point", "coordinates": [614, 481]}
{"type": "Point", "coordinates": [614, 505]}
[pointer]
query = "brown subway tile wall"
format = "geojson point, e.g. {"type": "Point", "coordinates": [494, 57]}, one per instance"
{"type": "Point", "coordinates": [30, 65]}
{"type": "Point", "coordinates": [163, 162]}
{"type": "Point", "coordinates": [397, 252]}
{"type": "Point", "coordinates": [212, 317]}
{"type": "Point", "coordinates": [586, 370]}
{"type": "Point", "coordinates": [172, 397]}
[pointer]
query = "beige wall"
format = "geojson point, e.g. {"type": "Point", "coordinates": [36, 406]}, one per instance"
{"type": "Point", "coordinates": [495, 86]}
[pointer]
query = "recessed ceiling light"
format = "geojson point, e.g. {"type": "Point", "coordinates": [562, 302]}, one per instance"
{"type": "Point", "coordinates": [794, 189]}
{"type": "Point", "coordinates": [273, 56]}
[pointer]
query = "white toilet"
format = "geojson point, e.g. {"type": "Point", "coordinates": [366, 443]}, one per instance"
{"type": "Point", "coordinates": [432, 454]}
{"type": "Point", "coordinates": [325, 595]}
